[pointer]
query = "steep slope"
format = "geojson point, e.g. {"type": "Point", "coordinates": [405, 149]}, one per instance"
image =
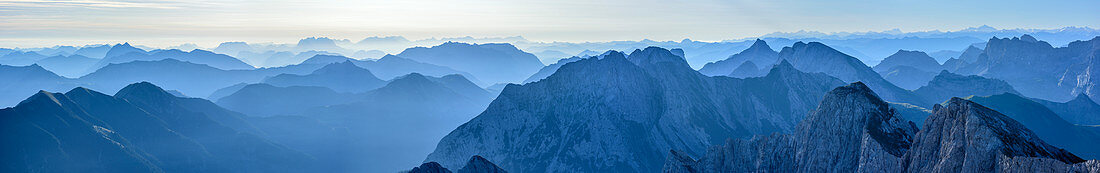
{"type": "Point", "coordinates": [947, 85]}
{"type": "Point", "coordinates": [550, 69]}
{"type": "Point", "coordinates": [1081, 110]}
{"type": "Point", "coordinates": [1045, 123]}
{"type": "Point", "coordinates": [220, 93]}
{"type": "Point", "coordinates": [758, 53]}
{"type": "Point", "coordinates": [160, 131]}
{"type": "Point", "coordinates": [963, 136]}
{"type": "Point", "coordinates": [849, 125]}
{"type": "Point", "coordinates": [342, 77]}
{"type": "Point", "coordinates": [816, 57]}
{"type": "Point", "coordinates": [970, 55]}
{"type": "Point", "coordinates": [72, 66]}
{"type": "Point", "coordinates": [620, 113]}
{"type": "Point", "coordinates": [35, 129]}
{"type": "Point", "coordinates": [747, 69]}
{"type": "Point", "coordinates": [491, 63]}
{"type": "Point", "coordinates": [28, 79]}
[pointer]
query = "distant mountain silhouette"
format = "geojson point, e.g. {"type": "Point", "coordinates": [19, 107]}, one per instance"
{"type": "Point", "coordinates": [28, 79]}
{"type": "Point", "coordinates": [817, 57]}
{"type": "Point", "coordinates": [72, 66]}
{"type": "Point", "coordinates": [341, 77]}
{"type": "Point", "coordinates": [758, 53]}
{"type": "Point", "coordinates": [121, 49]}
{"type": "Point", "coordinates": [422, 108]}
{"type": "Point", "coordinates": [392, 66]}
{"type": "Point", "coordinates": [915, 59]}
{"type": "Point", "coordinates": [326, 59]}
{"type": "Point", "coordinates": [265, 100]}
{"type": "Point", "coordinates": [971, 54]}
{"type": "Point", "coordinates": [1039, 70]}
{"type": "Point", "coordinates": [747, 69]}
{"type": "Point", "coordinates": [20, 58]}
{"type": "Point", "coordinates": [946, 85]}
{"type": "Point", "coordinates": [90, 51]}
{"type": "Point", "coordinates": [196, 56]}
{"type": "Point", "coordinates": [490, 63]}
{"type": "Point", "coordinates": [189, 78]}
{"type": "Point", "coordinates": [907, 77]}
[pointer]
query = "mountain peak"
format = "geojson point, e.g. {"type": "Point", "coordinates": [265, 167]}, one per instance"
{"type": "Point", "coordinates": [121, 49]}
{"type": "Point", "coordinates": [40, 96]}
{"type": "Point", "coordinates": [655, 55]}
{"type": "Point", "coordinates": [759, 45]}
{"type": "Point", "coordinates": [143, 90]}
{"type": "Point", "coordinates": [478, 164]}
{"type": "Point", "coordinates": [1082, 98]}
{"type": "Point", "coordinates": [1011, 137]}
{"type": "Point", "coordinates": [345, 66]}
{"type": "Point", "coordinates": [430, 167]}
{"type": "Point", "coordinates": [1028, 38]}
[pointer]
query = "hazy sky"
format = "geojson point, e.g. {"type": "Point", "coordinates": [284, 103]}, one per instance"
{"type": "Point", "coordinates": [171, 22]}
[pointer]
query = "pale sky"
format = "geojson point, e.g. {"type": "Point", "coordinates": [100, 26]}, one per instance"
{"type": "Point", "coordinates": [27, 23]}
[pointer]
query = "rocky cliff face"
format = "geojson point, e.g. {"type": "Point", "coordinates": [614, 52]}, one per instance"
{"type": "Point", "coordinates": [852, 130]}
{"type": "Point", "coordinates": [622, 114]}
{"type": "Point", "coordinates": [964, 136]}
{"type": "Point", "coordinates": [862, 135]}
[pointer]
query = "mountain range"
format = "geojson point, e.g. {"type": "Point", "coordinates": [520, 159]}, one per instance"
{"type": "Point", "coordinates": [1039, 70]}
{"type": "Point", "coordinates": [142, 128]}
{"type": "Point", "coordinates": [855, 131]}
{"type": "Point", "coordinates": [531, 127]}
{"type": "Point", "coordinates": [491, 63]}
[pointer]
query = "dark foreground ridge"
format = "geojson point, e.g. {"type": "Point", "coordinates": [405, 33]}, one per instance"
{"type": "Point", "coordinates": [853, 131]}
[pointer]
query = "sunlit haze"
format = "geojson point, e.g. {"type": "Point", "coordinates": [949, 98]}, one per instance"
{"type": "Point", "coordinates": [207, 23]}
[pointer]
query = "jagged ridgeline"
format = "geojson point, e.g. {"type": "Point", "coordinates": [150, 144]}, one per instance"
{"type": "Point", "coordinates": [620, 113]}
{"type": "Point", "coordinates": [853, 130]}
